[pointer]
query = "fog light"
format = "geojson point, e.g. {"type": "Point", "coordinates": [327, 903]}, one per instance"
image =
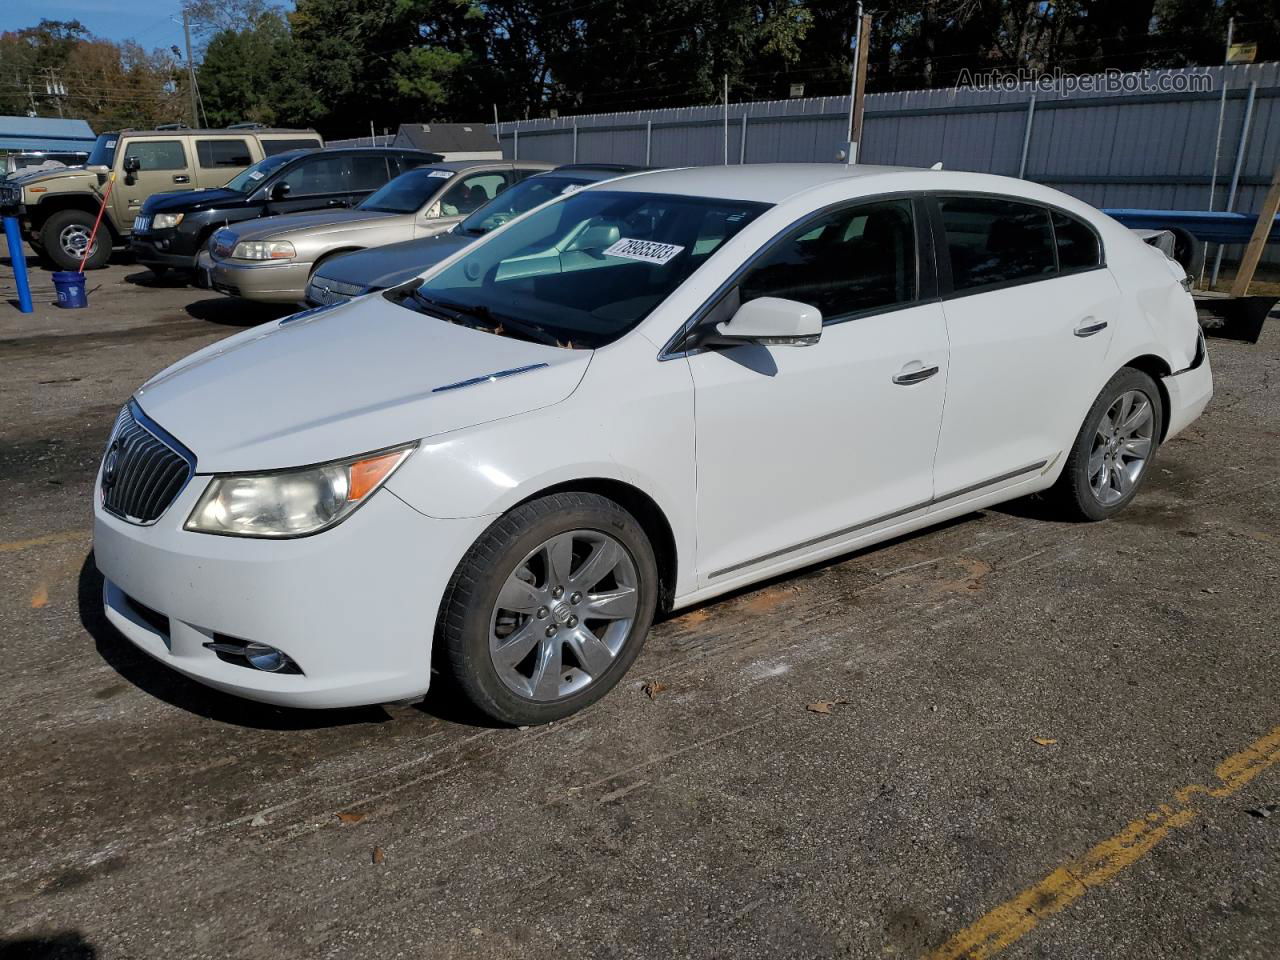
{"type": "Point", "coordinates": [265, 658]}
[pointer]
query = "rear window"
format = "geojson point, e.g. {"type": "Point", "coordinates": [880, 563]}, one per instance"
{"type": "Point", "coordinates": [992, 241]}
{"type": "Point", "coordinates": [271, 147]}
{"type": "Point", "coordinates": [223, 153]}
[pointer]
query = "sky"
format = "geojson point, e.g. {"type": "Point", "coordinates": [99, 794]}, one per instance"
{"type": "Point", "coordinates": [152, 24]}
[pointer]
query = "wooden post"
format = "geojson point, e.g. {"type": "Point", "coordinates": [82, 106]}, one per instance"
{"type": "Point", "coordinates": [1253, 252]}
{"type": "Point", "coordinates": [860, 96]}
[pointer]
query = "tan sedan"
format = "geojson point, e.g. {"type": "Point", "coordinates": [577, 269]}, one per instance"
{"type": "Point", "coordinates": [272, 259]}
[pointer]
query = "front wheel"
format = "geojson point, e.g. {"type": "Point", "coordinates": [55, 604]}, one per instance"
{"type": "Point", "coordinates": [549, 608]}
{"type": "Point", "coordinates": [1113, 450]}
{"type": "Point", "coordinates": [65, 237]}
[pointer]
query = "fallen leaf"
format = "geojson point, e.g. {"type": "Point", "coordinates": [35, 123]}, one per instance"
{"type": "Point", "coordinates": [40, 598]}
{"type": "Point", "coordinates": [652, 688]}
{"type": "Point", "coordinates": [378, 855]}
{"type": "Point", "coordinates": [1044, 741]}
{"type": "Point", "coordinates": [821, 706]}
{"type": "Point", "coordinates": [351, 817]}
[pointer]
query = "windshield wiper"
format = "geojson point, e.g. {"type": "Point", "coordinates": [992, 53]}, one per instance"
{"type": "Point", "coordinates": [495, 321]}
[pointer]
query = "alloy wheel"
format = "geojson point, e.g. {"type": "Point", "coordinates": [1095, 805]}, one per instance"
{"type": "Point", "coordinates": [563, 615]}
{"type": "Point", "coordinates": [74, 239]}
{"type": "Point", "coordinates": [1122, 447]}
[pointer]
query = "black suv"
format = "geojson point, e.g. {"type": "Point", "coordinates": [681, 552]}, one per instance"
{"type": "Point", "coordinates": [172, 227]}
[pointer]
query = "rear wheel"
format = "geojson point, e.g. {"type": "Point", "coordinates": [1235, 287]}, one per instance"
{"type": "Point", "coordinates": [549, 608]}
{"type": "Point", "coordinates": [65, 236]}
{"type": "Point", "coordinates": [1114, 448]}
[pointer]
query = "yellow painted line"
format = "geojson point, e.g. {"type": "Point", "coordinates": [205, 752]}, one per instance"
{"type": "Point", "coordinates": [66, 536]}
{"type": "Point", "coordinates": [1017, 917]}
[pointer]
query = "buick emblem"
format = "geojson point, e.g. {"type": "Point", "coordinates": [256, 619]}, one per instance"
{"type": "Point", "coordinates": [109, 464]}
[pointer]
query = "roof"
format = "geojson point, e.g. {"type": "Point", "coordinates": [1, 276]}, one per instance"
{"type": "Point", "coordinates": [44, 133]}
{"type": "Point", "coordinates": [469, 164]}
{"type": "Point", "coordinates": [216, 131]}
{"type": "Point", "coordinates": [759, 182]}
{"type": "Point", "coordinates": [447, 137]}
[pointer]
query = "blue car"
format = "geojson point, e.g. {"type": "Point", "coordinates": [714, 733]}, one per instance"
{"type": "Point", "coordinates": [351, 275]}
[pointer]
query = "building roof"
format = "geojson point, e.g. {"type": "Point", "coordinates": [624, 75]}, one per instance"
{"type": "Point", "coordinates": [447, 137]}
{"type": "Point", "coordinates": [45, 133]}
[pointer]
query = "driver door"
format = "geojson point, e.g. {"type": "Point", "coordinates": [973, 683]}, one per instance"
{"type": "Point", "coordinates": [803, 447]}
{"type": "Point", "coordinates": [163, 167]}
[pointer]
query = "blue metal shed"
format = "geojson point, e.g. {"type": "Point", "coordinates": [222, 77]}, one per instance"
{"type": "Point", "coordinates": [45, 133]}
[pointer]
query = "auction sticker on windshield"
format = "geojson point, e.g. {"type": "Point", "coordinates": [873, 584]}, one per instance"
{"type": "Point", "coordinates": [645, 250]}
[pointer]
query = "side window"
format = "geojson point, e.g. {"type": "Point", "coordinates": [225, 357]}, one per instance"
{"type": "Point", "coordinates": [271, 147]}
{"type": "Point", "coordinates": [848, 261]}
{"type": "Point", "coordinates": [317, 175]}
{"type": "Point", "coordinates": [223, 153]}
{"type": "Point", "coordinates": [158, 154]}
{"type": "Point", "coordinates": [993, 241]}
{"type": "Point", "coordinates": [470, 193]}
{"type": "Point", "coordinates": [369, 172]}
{"type": "Point", "coordinates": [1077, 243]}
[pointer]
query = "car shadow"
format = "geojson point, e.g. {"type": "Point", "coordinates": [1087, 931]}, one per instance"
{"type": "Point", "coordinates": [169, 280]}
{"type": "Point", "coordinates": [57, 946]}
{"type": "Point", "coordinates": [234, 312]}
{"type": "Point", "coordinates": [173, 688]}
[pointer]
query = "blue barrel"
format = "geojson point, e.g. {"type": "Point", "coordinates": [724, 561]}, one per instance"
{"type": "Point", "coordinates": [70, 287]}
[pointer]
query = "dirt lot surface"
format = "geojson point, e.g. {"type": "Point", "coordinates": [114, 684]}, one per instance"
{"type": "Point", "coordinates": [1027, 738]}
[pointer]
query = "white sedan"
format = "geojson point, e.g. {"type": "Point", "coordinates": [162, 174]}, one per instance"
{"type": "Point", "coordinates": [631, 399]}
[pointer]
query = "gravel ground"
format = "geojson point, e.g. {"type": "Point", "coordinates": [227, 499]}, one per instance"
{"type": "Point", "coordinates": [1017, 708]}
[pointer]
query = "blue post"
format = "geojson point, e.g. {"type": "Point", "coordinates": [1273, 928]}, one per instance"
{"type": "Point", "coordinates": [13, 234]}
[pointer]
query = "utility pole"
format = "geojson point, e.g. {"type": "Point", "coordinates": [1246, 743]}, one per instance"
{"type": "Point", "coordinates": [191, 69]}
{"type": "Point", "coordinates": [858, 85]}
{"type": "Point", "coordinates": [726, 119]}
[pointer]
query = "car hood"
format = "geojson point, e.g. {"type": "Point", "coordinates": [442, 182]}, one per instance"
{"type": "Point", "coordinates": [191, 200]}
{"type": "Point", "coordinates": [395, 263]}
{"type": "Point", "coordinates": [66, 174]}
{"type": "Point", "coordinates": [340, 381]}
{"type": "Point", "coordinates": [319, 222]}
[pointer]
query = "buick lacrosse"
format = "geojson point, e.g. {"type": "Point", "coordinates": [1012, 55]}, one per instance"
{"type": "Point", "coordinates": [628, 400]}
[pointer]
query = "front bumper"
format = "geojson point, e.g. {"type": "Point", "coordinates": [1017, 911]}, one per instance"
{"type": "Point", "coordinates": [354, 607]}
{"type": "Point", "coordinates": [266, 282]}
{"type": "Point", "coordinates": [1189, 392]}
{"type": "Point", "coordinates": [148, 249]}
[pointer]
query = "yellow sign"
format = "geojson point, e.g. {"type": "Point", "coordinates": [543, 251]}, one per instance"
{"type": "Point", "coordinates": [1242, 53]}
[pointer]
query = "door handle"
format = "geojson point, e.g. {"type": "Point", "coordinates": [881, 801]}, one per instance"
{"type": "Point", "coordinates": [909, 377]}
{"type": "Point", "coordinates": [181, 178]}
{"type": "Point", "coordinates": [1088, 327]}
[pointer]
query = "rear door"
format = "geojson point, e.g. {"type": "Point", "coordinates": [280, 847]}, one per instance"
{"type": "Point", "coordinates": [164, 166]}
{"type": "Point", "coordinates": [218, 159]}
{"type": "Point", "coordinates": [368, 172]}
{"type": "Point", "coordinates": [1029, 320]}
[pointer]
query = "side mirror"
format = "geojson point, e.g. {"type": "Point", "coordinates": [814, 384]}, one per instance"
{"type": "Point", "coordinates": [598, 236]}
{"type": "Point", "coordinates": [770, 321]}
{"type": "Point", "coordinates": [131, 167]}
{"type": "Point", "coordinates": [432, 212]}
{"type": "Point", "coordinates": [280, 191]}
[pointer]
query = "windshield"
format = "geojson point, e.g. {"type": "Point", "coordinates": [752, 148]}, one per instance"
{"type": "Point", "coordinates": [247, 180]}
{"type": "Point", "coordinates": [519, 199]}
{"type": "Point", "coordinates": [103, 153]}
{"type": "Point", "coordinates": [407, 193]}
{"type": "Point", "coordinates": [589, 268]}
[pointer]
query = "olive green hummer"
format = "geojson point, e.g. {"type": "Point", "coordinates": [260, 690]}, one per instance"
{"type": "Point", "coordinates": [58, 207]}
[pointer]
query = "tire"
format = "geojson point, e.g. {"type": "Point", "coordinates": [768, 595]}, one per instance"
{"type": "Point", "coordinates": [1107, 465]}
{"type": "Point", "coordinates": [482, 641]}
{"type": "Point", "coordinates": [65, 231]}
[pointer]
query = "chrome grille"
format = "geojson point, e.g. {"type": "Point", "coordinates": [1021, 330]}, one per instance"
{"type": "Point", "coordinates": [142, 471]}
{"type": "Point", "coordinates": [323, 291]}
{"type": "Point", "coordinates": [141, 224]}
{"type": "Point", "coordinates": [10, 195]}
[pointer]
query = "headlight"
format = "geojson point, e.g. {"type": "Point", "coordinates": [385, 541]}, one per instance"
{"type": "Point", "coordinates": [263, 250]}
{"type": "Point", "coordinates": [163, 221]}
{"type": "Point", "coordinates": [292, 503]}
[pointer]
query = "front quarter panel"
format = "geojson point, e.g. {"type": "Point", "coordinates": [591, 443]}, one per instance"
{"type": "Point", "coordinates": [630, 420]}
